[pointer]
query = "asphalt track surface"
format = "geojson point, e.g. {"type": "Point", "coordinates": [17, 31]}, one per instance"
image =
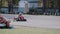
{"type": "Point", "coordinates": [40, 21]}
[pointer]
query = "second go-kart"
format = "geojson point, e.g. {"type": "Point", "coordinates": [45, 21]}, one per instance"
{"type": "Point", "coordinates": [17, 19]}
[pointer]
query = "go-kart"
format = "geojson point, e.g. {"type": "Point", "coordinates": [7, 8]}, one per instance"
{"type": "Point", "coordinates": [17, 19]}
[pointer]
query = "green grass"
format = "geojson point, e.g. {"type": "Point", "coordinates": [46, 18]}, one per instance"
{"type": "Point", "coordinates": [30, 31]}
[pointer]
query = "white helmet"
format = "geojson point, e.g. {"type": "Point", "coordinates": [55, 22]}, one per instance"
{"type": "Point", "coordinates": [20, 13]}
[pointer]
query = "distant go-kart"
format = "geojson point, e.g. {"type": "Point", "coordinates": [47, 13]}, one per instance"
{"type": "Point", "coordinates": [17, 19]}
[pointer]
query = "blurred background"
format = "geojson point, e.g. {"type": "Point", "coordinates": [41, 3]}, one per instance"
{"type": "Point", "coordinates": [33, 7]}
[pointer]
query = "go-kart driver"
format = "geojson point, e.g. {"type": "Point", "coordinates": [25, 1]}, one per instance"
{"type": "Point", "coordinates": [20, 17]}
{"type": "Point", "coordinates": [5, 21]}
